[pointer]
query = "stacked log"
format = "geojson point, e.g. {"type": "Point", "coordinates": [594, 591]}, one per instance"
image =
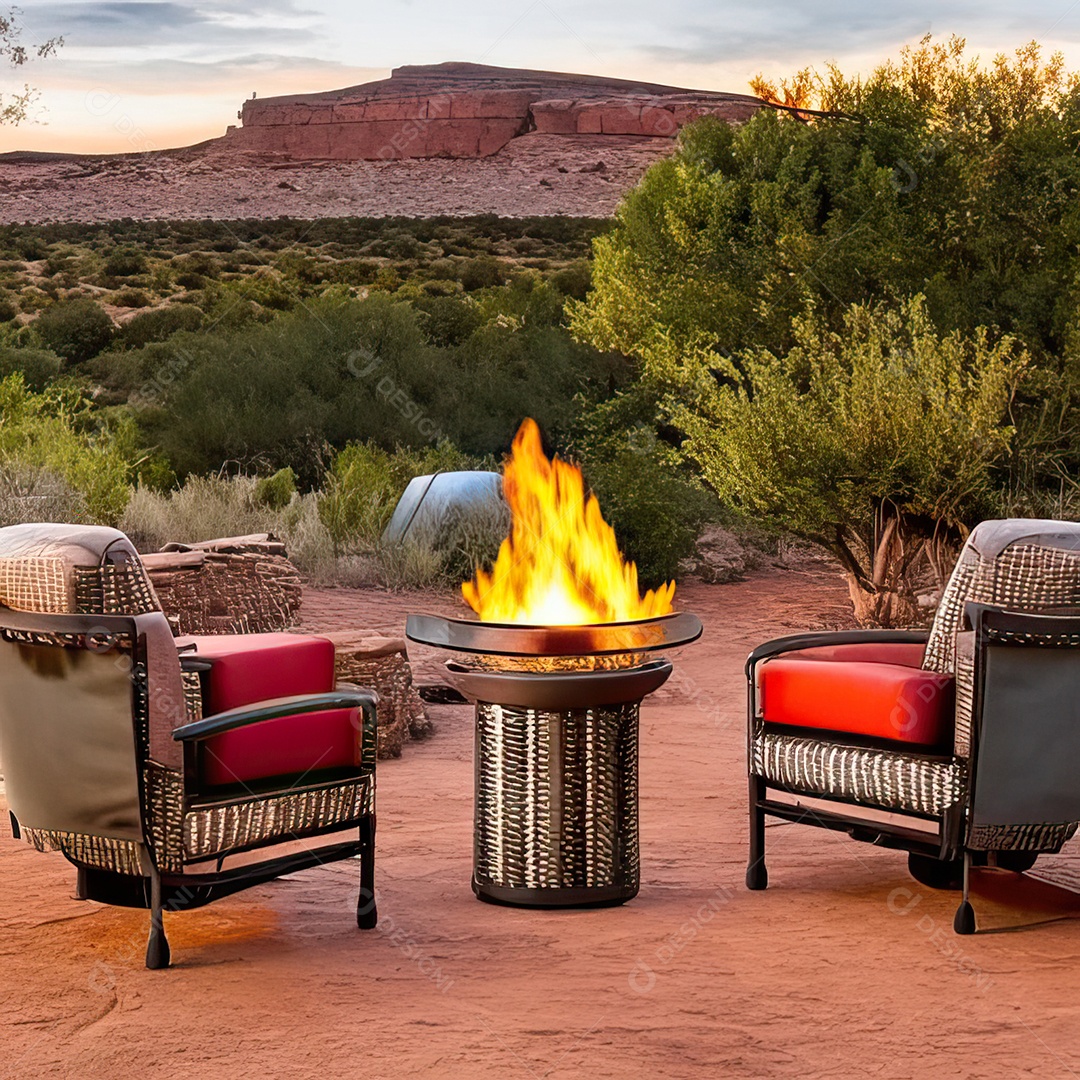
{"type": "Point", "coordinates": [238, 584]}
{"type": "Point", "coordinates": [382, 664]}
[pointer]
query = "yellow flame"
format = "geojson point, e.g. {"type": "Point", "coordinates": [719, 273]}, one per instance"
{"type": "Point", "coordinates": [561, 564]}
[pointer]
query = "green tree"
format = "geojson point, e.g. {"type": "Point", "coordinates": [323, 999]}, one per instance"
{"type": "Point", "coordinates": [950, 179]}
{"type": "Point", "coordinates": [15, 108]}
{"type": "Point", "coordinates": [878, 442]}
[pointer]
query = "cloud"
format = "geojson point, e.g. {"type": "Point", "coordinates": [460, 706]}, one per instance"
{"type": "Point", "coordinates": [167, 23]}
{"type": "Point", "coordinates": [269, 73]}
{"type": "Point", "coordinates": [834, 28]}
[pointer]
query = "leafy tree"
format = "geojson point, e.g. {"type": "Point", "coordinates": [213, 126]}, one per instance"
{"type": "Point", "coordinates": [945, 178]}
{"type": "Point", "coordinates": [14, 109]}
{"type": "Point", "coordinates": [879, 442]}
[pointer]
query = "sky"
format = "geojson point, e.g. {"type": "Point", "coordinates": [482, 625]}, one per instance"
{"type": "Point", "coordinates": [152, 74]}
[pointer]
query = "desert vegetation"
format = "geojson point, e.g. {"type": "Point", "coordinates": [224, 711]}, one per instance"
{"type": "Point", "coordinates": [294, 376]}
{"type": "Point", "coordinates": [853, 320]}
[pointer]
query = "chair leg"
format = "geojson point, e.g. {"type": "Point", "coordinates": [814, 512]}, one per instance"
{"type": "Point", "coordinates": [81, 889]}
{"type": "Point", "coordinates": [964, 921]}
{"type": "Point", "coordinates": [757, 876]}
{"type": "Point", "coordinates": [157, 948]}
{"type": "Point", "coordinates": [367, 916]}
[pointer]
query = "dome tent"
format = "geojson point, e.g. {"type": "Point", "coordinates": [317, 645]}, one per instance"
{"type": "Point", "coordinates": [431, 507]}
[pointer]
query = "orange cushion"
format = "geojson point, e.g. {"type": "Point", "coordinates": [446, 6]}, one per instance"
{"type": "Point", "coordinates": [248, 668]}
{"type": "Point", "coordinates": [877, 700]}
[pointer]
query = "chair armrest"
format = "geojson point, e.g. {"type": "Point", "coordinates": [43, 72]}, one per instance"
{"type": "Point", "coordinates": [832, 637]}
{"type": "Point", "coordinates": [345, 696]}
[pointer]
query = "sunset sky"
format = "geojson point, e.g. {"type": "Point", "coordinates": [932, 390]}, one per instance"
{"type": "Point", "coordinates": [145, 75]}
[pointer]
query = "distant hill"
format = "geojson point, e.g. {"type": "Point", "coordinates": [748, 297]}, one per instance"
{"type": "Point", "coordinates": [468, 111]}
{"type": "Point", "coordinates": [453, 139]}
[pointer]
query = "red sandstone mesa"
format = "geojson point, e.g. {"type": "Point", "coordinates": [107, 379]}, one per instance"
{"type": "Point", "coordinates": [468, 111]}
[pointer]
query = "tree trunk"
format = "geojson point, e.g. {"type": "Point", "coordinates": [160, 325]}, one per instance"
{"type": "Point", "coordinates": [886, 598]}
{"type": "Point", "coordinates": [883, 607]}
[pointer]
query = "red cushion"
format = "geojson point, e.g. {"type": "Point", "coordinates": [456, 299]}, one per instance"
{"type": "Point", "coordinates": [878, 700]}
{"type": "Point", "coordinates": [247, 668]}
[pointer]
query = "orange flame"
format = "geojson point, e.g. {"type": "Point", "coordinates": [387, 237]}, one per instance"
{"type": "Point", "coordinates": [561, 564]}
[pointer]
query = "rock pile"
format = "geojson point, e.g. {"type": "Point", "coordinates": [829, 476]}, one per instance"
{"type": "Point", "coordinates": [236, 585]}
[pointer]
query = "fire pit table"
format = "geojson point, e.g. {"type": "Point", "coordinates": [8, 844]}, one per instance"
{"type": "Point", "coordinates": [556, 813]}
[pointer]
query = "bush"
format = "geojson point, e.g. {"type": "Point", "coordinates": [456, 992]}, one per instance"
{"type": "Point", "coordinates": [449, 321]}
{"type": "Point", "coordinates": [208, 507]}
{"type": "Point", "coordinates": [75, 329]}
{"type": "Point", "coordinates": [8, 311]}
{"type": "Point", "coordinates": [880, 442]}
{"type": "Point", "coordinates": [125, 262]}
{"type": "Point", "coordinates": [364, 483]}
{"type": "Point", "coordinates": [482, 273]}
{"type": "Point", "coordinates": [159, 325]}
{"type": "Point", "coordinates": [657, 508]}
{"type": "Point", "coordinates": [38, 367]}
{"type": "Point", "coordinates": [131, 298]}
{"type": "Point", "coordinates": [277, 491]}
{"type": "Point", "coordinates": [59, 432]}
{"type": "Point", "coordinates": [33, 493]}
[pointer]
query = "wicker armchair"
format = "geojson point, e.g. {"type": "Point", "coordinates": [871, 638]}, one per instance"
{"type": "Point", "coordinates": [108, 758]}
{"type": "Point", "coordinates": [956, 744]}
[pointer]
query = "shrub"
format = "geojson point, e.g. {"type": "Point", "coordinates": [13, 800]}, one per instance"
{"type": "Point", "coordinates": [208, 507]}
{"type": "Point", "coordinates": [449, 321]}
{"type": "Point", "coordinates": [38, 367]}
{"type": "Point", "coordinates": [33, 493]}
{"type": "Point", "coordinates": [125, 262]}
{"type": "Point", "coordinates": [574, 280]}
{"type": "Point", "coordinates": [8, 311]}
{"type": "Point", "coordinates": [75, 329]}
{"type": "Point", "coordinates": [656, 507]}
{"type": "Point", "coordinates": [482, 273]}
{"type": "Point", "coordinates": [364, 483]}
{"type": "Point", "coordinates": [159, 325]}
{"type": "Point", "coordinates": [131, 298]}
{"type": "Point", "coordinates": [59, 432]}
{"type": "Point", "coordinates": [277, 491]}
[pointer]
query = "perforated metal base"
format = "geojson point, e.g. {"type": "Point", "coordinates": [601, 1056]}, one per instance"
{"type": "Point", "coordinates": [556, 821]}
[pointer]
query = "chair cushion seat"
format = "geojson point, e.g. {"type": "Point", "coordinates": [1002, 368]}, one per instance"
{"type": "Point", "coordinates": [876, 700]}
{"type": "Point", "coordinates": [248, 668]}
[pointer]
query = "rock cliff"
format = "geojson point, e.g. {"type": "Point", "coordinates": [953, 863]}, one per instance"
{"type": "Point", "coordinates": [468, 111]}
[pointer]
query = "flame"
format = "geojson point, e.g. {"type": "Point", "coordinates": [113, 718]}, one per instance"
{"type": "Point", "coordinates": [561, 564]}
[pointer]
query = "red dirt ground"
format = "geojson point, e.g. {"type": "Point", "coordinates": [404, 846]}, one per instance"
{"type": "Point", "coordinates": [844, 967]}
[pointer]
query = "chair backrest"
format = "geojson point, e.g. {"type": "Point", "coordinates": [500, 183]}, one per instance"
{"type": "Point", "coordinates": [1023, 564]}
{"type": "Point", "coordinates": [73, 733]}
{"type": "Point", "coordinates": [58, 568]}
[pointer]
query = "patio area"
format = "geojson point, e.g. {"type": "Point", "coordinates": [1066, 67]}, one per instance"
{"type": "Point", "coordinates": [843, 966]}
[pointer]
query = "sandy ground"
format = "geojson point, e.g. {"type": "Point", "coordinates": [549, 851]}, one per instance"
{"type": "Point", "coordinates": [844, 967]}
{"type": "Point", "coordinates": [533, 175]}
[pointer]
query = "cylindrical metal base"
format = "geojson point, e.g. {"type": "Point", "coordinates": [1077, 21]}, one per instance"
{"type": "Point", "coordinates": [556, 821]}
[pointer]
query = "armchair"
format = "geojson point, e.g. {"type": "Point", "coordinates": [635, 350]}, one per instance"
{"type": "Point", "coordinates": [954, 744]}
{"type": "Point", "coordinates": [108, 757]}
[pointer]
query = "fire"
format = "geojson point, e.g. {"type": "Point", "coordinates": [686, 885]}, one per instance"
{"type": "Point", "coordinates": [561, 564]}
